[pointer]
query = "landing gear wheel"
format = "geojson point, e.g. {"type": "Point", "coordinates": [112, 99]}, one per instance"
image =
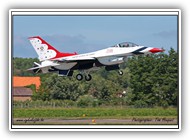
{"type": "Point", "coordinates": [120, 72]}
{"type": "Point", "coordinates": [79, 77]}
{"type": "Point", "coordinates": [88, 77]}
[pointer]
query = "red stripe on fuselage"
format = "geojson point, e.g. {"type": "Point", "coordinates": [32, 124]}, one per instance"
{"type": "Point", "coordinates": [58, 55]}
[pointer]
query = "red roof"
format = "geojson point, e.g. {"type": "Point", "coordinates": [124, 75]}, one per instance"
{"type": "Point", "coordinates": [26, 81]}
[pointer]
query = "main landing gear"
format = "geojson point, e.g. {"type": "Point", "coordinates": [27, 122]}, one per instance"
{"type": "Point", "coordinates": [79, 77]}
{"type": "Point", "coordinates": [87, 77]}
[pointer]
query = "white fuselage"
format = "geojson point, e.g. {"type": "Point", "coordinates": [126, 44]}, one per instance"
{"type": "Point", "coordinates": [109, 56]}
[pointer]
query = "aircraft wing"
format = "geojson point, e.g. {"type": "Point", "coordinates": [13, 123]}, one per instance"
{"type": "Point", "coordinates": [77, 59]}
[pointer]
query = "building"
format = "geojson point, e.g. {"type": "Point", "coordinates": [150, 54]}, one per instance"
{"type": "Point", "coordinates": [20, 91]}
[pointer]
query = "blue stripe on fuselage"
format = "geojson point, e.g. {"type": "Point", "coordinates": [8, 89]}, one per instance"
{"type": "Point", "coordinates": [138, 51]}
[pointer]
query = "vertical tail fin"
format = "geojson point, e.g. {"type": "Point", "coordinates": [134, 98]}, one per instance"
{"type": "Point", "coordinates": [44, 50]}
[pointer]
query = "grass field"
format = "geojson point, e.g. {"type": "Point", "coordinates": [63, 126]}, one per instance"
{"type": "Point", "coordinates": [93, 112]}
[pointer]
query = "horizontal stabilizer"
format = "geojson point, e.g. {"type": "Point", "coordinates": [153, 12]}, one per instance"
{"type": "Point", "coordinates": [37, 68]}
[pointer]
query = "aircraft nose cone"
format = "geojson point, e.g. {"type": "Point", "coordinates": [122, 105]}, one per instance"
{"type": "Point", "coordinates": [155, 50]}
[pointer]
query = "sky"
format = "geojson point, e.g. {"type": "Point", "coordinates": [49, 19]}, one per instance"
{"type": "Point", "coordinates": [84, 34]}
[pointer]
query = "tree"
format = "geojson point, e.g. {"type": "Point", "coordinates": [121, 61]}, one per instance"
{"type": "Point", "coordinates": [154, 79]}
{"type": "Point", "coordinates": [166, 87]}
{"type": "Point", "coordinates": [62, 88]}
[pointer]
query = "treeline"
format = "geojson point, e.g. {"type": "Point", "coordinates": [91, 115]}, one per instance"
{"type": "Point", "coordinates": [147, 81]}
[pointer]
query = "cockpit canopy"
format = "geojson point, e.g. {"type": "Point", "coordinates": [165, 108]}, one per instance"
{"type": "Point", "coordinates": [125, 45]}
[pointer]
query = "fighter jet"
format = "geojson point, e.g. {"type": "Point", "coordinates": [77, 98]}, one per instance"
{"type": "Point", "coordinates": [65, 63]}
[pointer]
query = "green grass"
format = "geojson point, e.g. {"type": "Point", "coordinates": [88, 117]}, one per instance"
{"type": "Point", "coordinates": [93, 112]}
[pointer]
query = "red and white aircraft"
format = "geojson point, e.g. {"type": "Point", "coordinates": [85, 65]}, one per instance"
{"type": "Point", "coordinates": [65, 63]}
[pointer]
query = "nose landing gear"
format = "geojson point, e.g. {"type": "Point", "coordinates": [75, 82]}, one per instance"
{"type": "Point", "coordinates": [120, 72]}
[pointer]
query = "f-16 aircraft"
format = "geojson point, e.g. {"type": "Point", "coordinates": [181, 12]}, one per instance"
{"type": "Point", "coordinates": [65, 63]}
